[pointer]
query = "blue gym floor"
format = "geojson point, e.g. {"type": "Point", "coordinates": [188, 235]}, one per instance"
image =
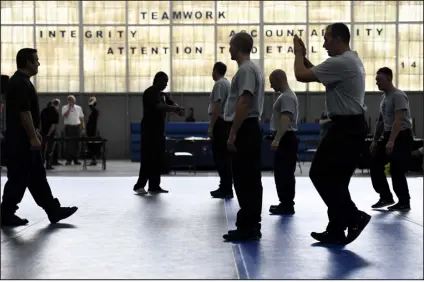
{"type": "Point", "coordinates": [118, 235]}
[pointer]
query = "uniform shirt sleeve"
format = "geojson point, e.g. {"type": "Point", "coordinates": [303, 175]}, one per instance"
{"type": "Point", "coordinates": [287, 105]}
{"type": "Point", "coordinates": [150, 100]}
{"type": "Point", "coordinates": [246, 81]}
{"type": "Point", "coordinates": [400, 102]}
{"type": "Point", "coordinates": [21, 91]}
{"type": "Point", "coordinates": [330, 71]}
{"type": "Point", "coordinates": [217, 92]}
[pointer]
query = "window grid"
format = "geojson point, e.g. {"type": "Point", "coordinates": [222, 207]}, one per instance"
{"type": "Point", "coordinates": [171, 25]}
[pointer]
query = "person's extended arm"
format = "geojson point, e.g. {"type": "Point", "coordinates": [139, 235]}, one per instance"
{"type": "Point", "coordinates": [401, 105]}
{"type": "Point", "coordinates": [215, 101]}
{"type": "Point", "coordinates": [283, 125]}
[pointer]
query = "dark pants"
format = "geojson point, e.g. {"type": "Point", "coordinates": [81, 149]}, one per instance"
{"type": "Point", "coordinates": [221, 155]}
{"type": "Point", "coordinates": [246, 166]}
{"type": "Point", "coordinates": [25, 169]}
{"type": "Point", "coordinates": [152, 156]}
{"type": "Point", "coordinates": [72, 146]}
{"type": "Point", "coordinates": [334, 164]}
{"type": "Point", "coordinates": [47, 149]}
{"type": "Point", "coordinates": [399, 164]}
{"type": "Point", "coordinates": [285, 158]}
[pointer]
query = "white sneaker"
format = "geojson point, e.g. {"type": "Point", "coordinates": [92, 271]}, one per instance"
{"type": "Point", "coordinates": [141, 191]}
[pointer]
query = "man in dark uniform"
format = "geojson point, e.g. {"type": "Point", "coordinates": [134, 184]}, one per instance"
{"type": "Point", "coordinates": [23, 146]}
{"type": "Point", "coordinates": [155, 106]}
{"type": "Point", "coordinates": [49, 120]}
{"type": "Point", "coordinates": [343, 75]}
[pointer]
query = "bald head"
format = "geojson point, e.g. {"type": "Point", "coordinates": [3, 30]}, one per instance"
{"type": "Point", "coordinates": [278, 80]}
{"type": "Point", "coordinates": [241, 44]}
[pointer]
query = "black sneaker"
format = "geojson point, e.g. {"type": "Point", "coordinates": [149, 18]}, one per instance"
{"type": "Point", "coordinates": [219, 194]}
{"type": "Point", "coordinates": [57, 213]}
{"type": "Point", "coordinates": [330, 237]}
{"type": "Point", "coordinates": [400, 207]}
{"type": "Point", "coordinates": [237, 235]}
{"type": "Point", "coordinates": [383, 203]}
{"type": "Point", "coordinates": [281, 209]}
{"type": "Point", "coordinates": [157, 190]}
{"type": "Point", "coordinates": [354, 230]}
{"type": "Point", "coordinates": [13, 221]}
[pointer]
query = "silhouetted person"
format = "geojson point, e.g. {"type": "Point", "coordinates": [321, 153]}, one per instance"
{"type": "Point", "coordinates": [285, 144]}
{"type": "Point", "coordinates": [190, 117]}
{"type": "Point", "coordinates": [23, 146]}
{"type": "Point", "coordinates": [49, 121]}
{"type": "Point", "coordinates": [155, 106]}
{"type": "Point", "coordinates": [338, 154]}
{"type": "Point", "coordinates": [395, 126]}
{"type": "Point", "coordinates": [91, 129]}
{"type": "Point", "coordinates": [219, 130]}
{"type": "Point", "coordinates": [244, 109]}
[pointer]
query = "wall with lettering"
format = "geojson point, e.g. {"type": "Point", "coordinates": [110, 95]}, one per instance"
{"type": "Point", "coordinates": [118, 46]}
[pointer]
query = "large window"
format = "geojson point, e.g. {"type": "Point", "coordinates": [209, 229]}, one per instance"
{"type": "Point", "coordinates": [148, 12]}
{"type": "Point", "coordinates": [118, 46]}
{"type": "Point", "coordinates": [376, 46]}
{"type": "Point", "coordinates": [14, 38]}
{"type": "Point", "coordinates": [374, 11]}
{"type": "Point", "coordinates": [193, 12]}
{"type": "Point", "coordinates": [411, 57]}
{"type": "Point", "coordinates": [56, 12]}
{"type": "Point", "coordinates": [411, 11]}
{"type": "Point", "coordinates": [149, 52]}
{"type": "Point", "coordinates": [58, 51]}
{"type": "Point", "coordinates": [192, 58]}
{"type": "Point", "coordinates": [104, 59]}
{"type": "Point", "coordinates": [223, 46]}
{"type": "Point", "coordinates": [278, 52]}
{"type": "Point", "coordinates": [238, 12]}
{"type": "Point", "coordinates": [17, 12]}
{"type": "Point", "coordinates": [329, 11]}
{"type": "Point", "coordinates": [285, 12]}
{"type": "Point", "coordinates": [104, 12]}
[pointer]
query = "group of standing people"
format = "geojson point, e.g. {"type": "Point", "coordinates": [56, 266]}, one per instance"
{"type": "Point", "coordinates": [235, 109]}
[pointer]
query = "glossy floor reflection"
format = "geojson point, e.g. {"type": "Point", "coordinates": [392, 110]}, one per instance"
{"type": "Point", "coordinates": [116, 234]}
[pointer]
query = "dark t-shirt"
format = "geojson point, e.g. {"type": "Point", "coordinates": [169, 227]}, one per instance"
{"type": "Point", "coordinates": [21, 96]}
{"type": "Point", "coordinates": [92, 123]}
{"type": "Point", "coordinates": [154, 118]}
{"type": "Point", "coordinates": [49, 116]}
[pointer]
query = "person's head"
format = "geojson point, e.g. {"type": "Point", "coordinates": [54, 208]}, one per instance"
{"type": "Point", "coordinates": [56, 103]}
{"type": "Point", "coordinates": [161, 80]}
{"type": "Point", "coordinates": [92, 102]}
{"type": "Point", "coordinates": [241, 45]}
{"type": "Point", "coordinates": [27, 61]}
{"type": "Point", "coordinates": [49, 104]}
{"type": "Point", "coordinates": [384, 79]}
{"type": "Point", "coordinates": [219, 70]}
{"type": "Point", "coordinates": [336, 39]}
{"type": "Point", "coordinates": [278, 80]}
{"type": "Point", "coordinates": [71, 100]}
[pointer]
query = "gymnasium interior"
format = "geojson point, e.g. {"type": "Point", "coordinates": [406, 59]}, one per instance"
{"type": "Point", "coordinates": [111, 50]}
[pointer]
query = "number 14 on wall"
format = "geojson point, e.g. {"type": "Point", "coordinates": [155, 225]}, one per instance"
{"type": "Point", "coordinates": [414, 65]}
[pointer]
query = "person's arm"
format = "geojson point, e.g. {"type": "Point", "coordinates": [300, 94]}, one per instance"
{"type": "Point", "coordinates": [24, 104]}
{"type": "Point", "coordinates": [246, 87]}
{"type": "Point", "coordinates": [401, 105]}
{"type": "Point", "coordinates": [81, 117]}
{"type": "Point", "coordinates": [152, 100]}
{"type": "Point", "coordinates": [66, 110]}
{"type": "Point", "coordinates": [328, 72]}
{"type": "Point", "coordinates": [307, 63]}
{"type": "Point", "coordinates": [287, 107]}
{"type": "Point", "coordinates": [379, 128]}
{"type": "Point", "coordinates": [215, 100]}
{"type": "Point", "coordinates": [55, 121]}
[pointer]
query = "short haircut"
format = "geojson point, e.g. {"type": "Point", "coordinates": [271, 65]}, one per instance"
{"type": "Point", "coordinates": [159, 76]}
{"type": "Point", "coordinates": [23, 56]}
{"type": "Point", "coordinates": [55, 102]}
{"type": "Point", "coordinates": [387, 71]}
{"type": "Point", "coordinates": [243, 42]}
{"type": "Point", "coordinates": [340, 30]}
{"type": "Point", "coordinates": [220, 68]}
